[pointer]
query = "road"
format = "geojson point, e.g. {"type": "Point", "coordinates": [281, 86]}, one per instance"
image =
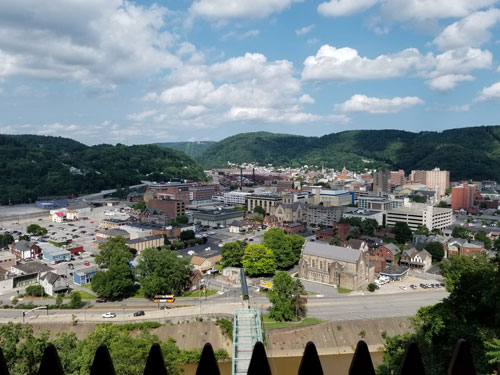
{"type": "Point", "coordinates": [326, 308]}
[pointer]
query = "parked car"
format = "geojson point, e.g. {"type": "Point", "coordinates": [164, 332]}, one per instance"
{"type": "Point", "coordinates": [101, 300]}
{"type": "Point", "coordinates": [86, 264]}
{"type": "Point", "coordinates": [413, 286]}
{"type": "Point", "coordinates": [139, 313]}
{"type": "Point", "coordinates": [109, 315]}
{"type": "Point", "coordinates": [165, 308]}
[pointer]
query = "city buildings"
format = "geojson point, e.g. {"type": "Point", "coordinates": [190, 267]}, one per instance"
{"type": "Point", "coordinates": [364, 214]}
{"type": "Point", "coordinates": [462, 196]}
{"type": "Point", "coordinates": [169, 207]}
{"type": "Point", "coordinates": [217, 218]}
{"type": "Point", "coordinates": [139, 244]}
{"type": "Point", "coordinates": [416, 215]}
{"type": "Point", "coordinates": [290, 212]}
{"type": "Point", "coordinates": [337, 266]}
{"type": "Point", "coordinates": [332, 197]}
{"type": "Point", "coordinates": [235, 198]}
{"type": "Point", "coordinates": [318, 215]}
{"type": "Point", "coordinates": [432, 179]}
{"type": "Point", "coordinates": [381, 182]}
{"type": "Point", "coordinates": [265, 200]}
{"type": "Point", "coordinates": [397, 177]}
{"type": "Point", "coordinates": [369, 202]}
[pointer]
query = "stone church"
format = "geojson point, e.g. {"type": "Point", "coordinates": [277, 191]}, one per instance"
{"type": "Point", "coordinates": [337, 266]}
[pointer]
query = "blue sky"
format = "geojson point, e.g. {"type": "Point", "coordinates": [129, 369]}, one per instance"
{"type": "Point", "coordinates": [109, 71]}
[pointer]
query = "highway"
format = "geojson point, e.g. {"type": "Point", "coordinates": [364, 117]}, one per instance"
{"type": "Point", "coordinates": [326, 308]}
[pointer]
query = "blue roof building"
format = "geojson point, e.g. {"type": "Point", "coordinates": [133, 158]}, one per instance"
{"type": "Point", "coordinates": [83, 276]}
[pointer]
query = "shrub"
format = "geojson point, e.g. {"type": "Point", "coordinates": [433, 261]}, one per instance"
{"type": "Point", "coordinates": [34, 290]}
{"type": "Point", "coordinates": [372, 287]}
{"type": "Point", "coordinates": [226, 327]}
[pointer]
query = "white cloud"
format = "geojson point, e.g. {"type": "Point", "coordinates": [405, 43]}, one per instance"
{"type": "Point", "coordinates": [363, 103]}
{"type": "Point", "coordinates": [193, 111]}
{"type": "Point", "coordinates": [344, 64]}
{"type": "Point", "coordinates": [304, 30]}
{"type": "Point", "coordinates": [97, 43]}
{"type": "Point", "coordinates": [442, 72]}
{"type": "Point", "coordinates": [306, 99]}
{"type": "Point", "coordinates": [471, 31]}
{"type": "Point", "coordinates": [240, 36]}
{"type": "Point", "coordinates": [448, 82]}
{"type": "Point", "coordinates": [142, 115]}
{"type": "Point", "coordinates": [223, 9]}
{"type": "Point", "coordinates": [339, 8]}
{"type": "Point", "coordinates": [459, 108]}
{"type": "Point", "coordinates": [425, 10]}
{"type": "Point", "coordinates": [490, 93]}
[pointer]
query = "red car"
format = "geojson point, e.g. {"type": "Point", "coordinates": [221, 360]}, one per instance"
{"type": "Point", "coordinates": [86, 264]}
{"type": "Point", "coordinates": [96, 230]}
{"type": "Point", "coordinates": [91, 222]}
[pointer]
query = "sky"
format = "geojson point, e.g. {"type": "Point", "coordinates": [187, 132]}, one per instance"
{"type": "Point", "coordinates": [132, 72]}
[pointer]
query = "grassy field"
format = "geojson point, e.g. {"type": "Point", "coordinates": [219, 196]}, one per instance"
{"type": "Point", "coordinates": [342, 290]}
{"type": "Point", "coordinates": [139, 293]}
{"type": "Point", "coordinates": [199, 293]}
{"type": "Point", "coordinates": [270, 323]}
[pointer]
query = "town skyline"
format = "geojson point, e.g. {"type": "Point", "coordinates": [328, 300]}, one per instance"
{"type": "Point", "coordinates": [144, 71]}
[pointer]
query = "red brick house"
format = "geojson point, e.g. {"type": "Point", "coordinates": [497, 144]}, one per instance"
{"type": "Point", "coordinates": [381, 257]}
{"type": "Point", "coordinates": [325, 234]}
{"type": "Point", "coordinates": [294, 228]}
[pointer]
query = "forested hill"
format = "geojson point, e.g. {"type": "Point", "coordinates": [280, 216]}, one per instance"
{"type": "Point", "coordinates": [468, 153]}
{"type": "Point", "coordinates": [189, 148]}
{"type": "Point", "coordinates": [34, 166]}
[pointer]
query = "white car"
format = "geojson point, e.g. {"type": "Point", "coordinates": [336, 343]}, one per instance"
{"type": "Point", "coordinates": [190, 252]}
{"type": "Point", "coordinates": [109, 315]}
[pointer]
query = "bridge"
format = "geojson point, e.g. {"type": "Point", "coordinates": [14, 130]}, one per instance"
{"type": "Point", "coordinates": [247, 331]}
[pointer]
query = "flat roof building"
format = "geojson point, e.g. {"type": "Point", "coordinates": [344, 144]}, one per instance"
{"type": "Point", "coordinates": [416, 215]}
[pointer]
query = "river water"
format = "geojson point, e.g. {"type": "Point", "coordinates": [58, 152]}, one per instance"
{"type": "Point", "coordinates": [336, 364]}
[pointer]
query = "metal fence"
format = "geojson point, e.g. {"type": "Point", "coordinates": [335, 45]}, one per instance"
{"type": "Point", "coordinates": [411, 364]}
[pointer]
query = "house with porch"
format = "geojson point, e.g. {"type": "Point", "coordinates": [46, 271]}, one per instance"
{"type": "Point", "coordinates": [416, 260]}
{"type": "Point", "coordinates": [54, 284]}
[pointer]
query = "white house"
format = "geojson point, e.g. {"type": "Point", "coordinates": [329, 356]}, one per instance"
{"type": "Point", "coordinates": [53, 284]}
{"type": "Point", "coordinates": [58, 217]}
{"type": "Point", "coordinates": [72, 215]}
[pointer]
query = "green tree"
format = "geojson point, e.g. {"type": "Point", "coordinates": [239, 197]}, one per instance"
{"type": "Point", "coordinates": [442, 204]}
{"type": "Point", "coordinates": [231, 253]}
{"type": "Point", "coordinates": [402, 232]}
{"type": "Point", "coordinates": [75, 301]}
{"type": "Point", "coordinates": [493, 352]}
{"type": "Point", "coordinates": [258, 260]}
{"type": "Point", "coordinates": [436, 249]}
{"type": "Point", "coordinates": [419, 199]}
{"type": "Point", "coordinates": [481, 236]}
{"type": "Point", "coordinates": [437, 231]}
{"type": "Point", "coordinates": [286, 298]}
{"type": "Point", "coordinates": [260, 219]}
{"type": "Point", "coordinates": [286, 248]}
{"type": "Point", "coordinates": [353, 233]}
{"type": "Point", "coordinates": [423, 230]}
{"type": "Point", "coordinates": [115, 283]}
{"type": "Point", "coordinates": [369, 227]}
{"type": "Point", "coordinates": [6, 239]}
{"type": "Point", "coordinates": [114, 250]}
{"type": "Point", "coordinates": [182, 219]}
{"type": "Point", "coordinates": [34, 290]}
{"type": "Point", "coordinates": [36, 229]}
{"type": "Point", "coordinates": [496, 245]}
{"type": "Point", "coordinates": [59, 299]}
{"type": "Point", "coordinates": [335, 240]}
{"type": "Point", "coordinates": [162, 272]}
{"type": "Point", "coordinates": [141, 205]}
{"type": "Point", "coordinates": [259, 210]}
{"type": "Point", "coordinates": [187, 235]}
{"type": "Point", "coordinates": [461, 232]}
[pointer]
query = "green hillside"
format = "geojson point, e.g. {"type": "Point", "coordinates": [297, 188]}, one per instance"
{"type": "Point", "coordinates": [468, 153]}
{"type": "Point", "coordinates": [192, 149]}
{"type": "Point", "coordinates": [34, 166]}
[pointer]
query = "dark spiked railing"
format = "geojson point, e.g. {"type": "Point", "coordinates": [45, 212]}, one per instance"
{"type": "Point", "coordinates": [411, 364]}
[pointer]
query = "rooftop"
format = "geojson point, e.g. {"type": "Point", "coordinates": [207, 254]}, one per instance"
{"type": "Point", "coordinates": [32, 267]}
{"type": "Point", "coordinates": [144, 239]}
{"type": "Point", "coordinates": [331, 252]}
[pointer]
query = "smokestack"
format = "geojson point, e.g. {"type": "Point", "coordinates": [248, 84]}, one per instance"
{"type": "Point", "coordinates": [241, 179]}
{"type": "Point", "coordinates": [253, 172]}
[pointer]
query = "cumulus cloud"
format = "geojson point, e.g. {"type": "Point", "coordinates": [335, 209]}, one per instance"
{"type": "Point", "coordinates": [97, 43]}
{"type": "Point", "coordinates": [345, 64]}
{"type": "Point", "coordinates": [240, 36]}
{"type": "Point", "coordinates": [339, 8]}
{"type": "Point", "coordinates": [442, 72]}
{"type": "Point", "coordinates": [223, 9]}
{"type": "Point", "coordinates": [142, 115]}
{"type": "Point", "coordinates": [304, 30]}
{"type": "Point", "coordinates": [459, 108]}
{"type": "Point", "coordinates": [363, 103]}
{"type": "Point", "coordinates": [306, 99]}
{"type": "Point", "coordinates": [471, 31]}
{"type": "Point", "coordinates": [425, 10]}
{"type": "Point", "coordinates": [490, 93]}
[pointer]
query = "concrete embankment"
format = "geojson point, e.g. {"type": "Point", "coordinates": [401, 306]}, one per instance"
{"type": "Point", "coordinates": [192, 335]}
{"type": "Point", "coordinates": [334, 337]}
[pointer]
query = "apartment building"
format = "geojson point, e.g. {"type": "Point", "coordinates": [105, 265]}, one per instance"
{"type": "Point", "coordinates": [433, 178]}
{"type": "Point", "coordinates": [333, 197]}
{"type": "Point", "coordinates": [462, 196]}
{"type": "Point", "coordinates": [169, 207]}
{"type": "Point", "coordinates": [381, 182]}
{"type": "Point", "coordinates": [235, 198]}
{"type": "Point", "coordinates": [322, 215]}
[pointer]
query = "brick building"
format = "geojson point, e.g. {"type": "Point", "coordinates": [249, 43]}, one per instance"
{"type": "Point", "coordinates": [170, 208]}
{"type": "Point", "coordinates": [462, 197]}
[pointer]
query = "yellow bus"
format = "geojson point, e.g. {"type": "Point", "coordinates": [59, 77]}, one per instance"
{"type": "Point", "coordinates": [170, 298]}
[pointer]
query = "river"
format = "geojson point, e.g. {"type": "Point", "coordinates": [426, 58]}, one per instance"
{"type": "Point", "coordinates": [335, 364]}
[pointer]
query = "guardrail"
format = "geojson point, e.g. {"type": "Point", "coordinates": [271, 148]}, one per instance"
{"type": "Point", "coordinates": [460, 364]}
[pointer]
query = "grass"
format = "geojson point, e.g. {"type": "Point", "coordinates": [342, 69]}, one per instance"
{"type": "Point", "coordinates": [85, 295]}
{"type": "Point", "coordinates": [139, 293]}
{"type": "Point", "coordinates": [343, 290]}
{"type": "Point", "coordinates": [270, 323]}
{"type": "Point", "coordinates": [199, 293]}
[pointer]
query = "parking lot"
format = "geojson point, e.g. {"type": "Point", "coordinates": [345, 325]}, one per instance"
{"type": "Point", "coordinates": [404, 286]}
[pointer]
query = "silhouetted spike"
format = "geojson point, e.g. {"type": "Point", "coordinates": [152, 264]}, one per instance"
{"type": "Point", "coordinates": [208, 363]}
{"type": "Point", "coordinates": [4, 370]}
{"type": "Point", "coordinates": [102, 365]}
{"type": "Point", "coordinates": [412, 361]}
{"type": "Point", "coordinates": [310, 363]}
{"type": "Point", "coordinates": [155, 364]}
{"type": "Point", "coordinates": [361, 363]}
{"type": "Point", "coordinates": [259, 365]}
{"type": "Point", "coordinates": [461, 362]}
{"type": "Point", "coordinates": [50, 364]}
